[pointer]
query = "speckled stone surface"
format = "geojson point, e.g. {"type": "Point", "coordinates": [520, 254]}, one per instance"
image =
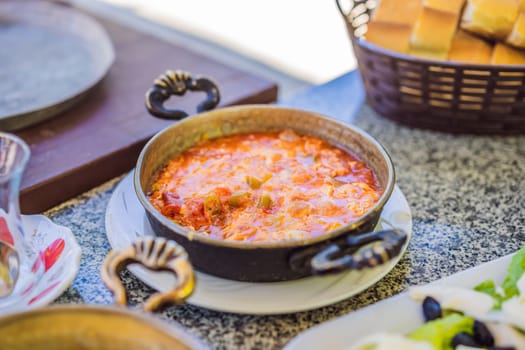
{"type": "Point", "coordinates": [466, 193]}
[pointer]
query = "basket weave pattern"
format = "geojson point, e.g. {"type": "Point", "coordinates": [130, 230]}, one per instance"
{"type": "Point", "coordinates": [438, 95]}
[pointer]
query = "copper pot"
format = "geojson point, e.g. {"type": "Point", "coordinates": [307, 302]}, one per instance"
{"type": "Point", "coordinates": [92, 327]}
{"type": "Point", "coordinates": [348, 247]}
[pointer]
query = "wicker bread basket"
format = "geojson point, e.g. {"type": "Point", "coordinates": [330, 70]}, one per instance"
{"type": "Point", "coordinates": [438, 95]}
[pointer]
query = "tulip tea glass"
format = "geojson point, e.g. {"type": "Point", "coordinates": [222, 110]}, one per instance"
{"type": "Point", "coordinates": [21, 265]}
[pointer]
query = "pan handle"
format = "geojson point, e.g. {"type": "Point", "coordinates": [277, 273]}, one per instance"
{"type": "Point", "coordinates": [356, 14]}
{"type": "Point", "coordinates": [390, 244]}
{"type": "Point", "coordinates": [354, 253]}
{"type": "Point", "coordinates": [344, 10]}
{"type": "Point", "coordinates": [177, 83]}
{"type": "Point", "coordinates": [351, 9]}
{"type": "Point", "coordinates": [156, 254]}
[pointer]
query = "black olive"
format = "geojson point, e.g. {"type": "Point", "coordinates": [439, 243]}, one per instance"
{"type": "Point", "coordinates": [431, 309]}
{"type": "Point", "coordinates": [482, 334]}
{"type": "Point", "coordinates": [466, 339]}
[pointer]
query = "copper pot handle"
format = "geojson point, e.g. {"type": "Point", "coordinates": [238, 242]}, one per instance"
{"type": "Point", "coordinates": [379, 248]}
{"type": "Point", "coordinates": [356, 14]}
{"type": "Point", "coordinates": [157, 254]}
{"type": "Point", "coordinates": [353, 252]}
{"type": "Point", "coordinates": [342, 9]}
{"type": "Point", "coordinates": [177, 83]}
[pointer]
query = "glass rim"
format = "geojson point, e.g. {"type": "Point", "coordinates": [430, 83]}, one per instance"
{"type": "Point", "coordinates": [23, 145]}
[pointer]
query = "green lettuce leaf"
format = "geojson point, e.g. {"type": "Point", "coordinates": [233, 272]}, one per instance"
{"type": "Point", "coordinates": [490, 288]}
{"type": "Point", "coordinates": [515, 270]}
{"type": "Point", "coordinates": [440, 332]}
{"type": "Point", "coordinates": [514, 273]}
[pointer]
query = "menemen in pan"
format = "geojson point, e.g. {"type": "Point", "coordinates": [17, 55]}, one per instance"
{"type": "Point", "coordinates": [264, 187]}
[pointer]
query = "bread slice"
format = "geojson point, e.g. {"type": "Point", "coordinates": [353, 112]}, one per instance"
{"type": "Point", "coordinates": [469, 48]}
{"type": "Point", "coordinates": [493, 19]}
{"type": "Point", "coordinates": [433, 30]}
{"type": "Point", "coordinates": [392, 36]}
{"type": "Point", "coordinates": [504, 54]}
{"type": "Point", "coordinates": [395, 11]}
{"type": "Point", "coordinates": [433, 55]}
{"type": "Point", "coordinates": [517, 36]}
{"type": "Point", "coordinates": [453, 6]}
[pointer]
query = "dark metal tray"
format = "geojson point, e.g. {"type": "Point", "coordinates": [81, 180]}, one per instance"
{"type": "Point", "coordinates": [50, 56]}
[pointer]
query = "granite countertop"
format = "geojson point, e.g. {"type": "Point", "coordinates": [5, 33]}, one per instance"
{"type": "Point", "coordinates": [466, 193]}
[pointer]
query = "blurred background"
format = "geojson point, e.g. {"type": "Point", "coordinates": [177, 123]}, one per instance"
{"type": "Point", "coordinates": [292, 42]}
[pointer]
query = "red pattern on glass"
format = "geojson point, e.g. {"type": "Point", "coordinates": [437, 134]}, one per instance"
{"type": "Point", "coordinates": [5, 234]}
{"type": "Point", "coordinates": [43, 293]}
{"type": "Point", "coordinates": [38, 261]}
{"type": "Point", "coordinates": [52, 253]}
{"type": "Point", "coordinates": [28, 289]}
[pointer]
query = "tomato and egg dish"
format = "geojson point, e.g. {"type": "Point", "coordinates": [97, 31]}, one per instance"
{"type": "Point", "coordinates": [264, 187]}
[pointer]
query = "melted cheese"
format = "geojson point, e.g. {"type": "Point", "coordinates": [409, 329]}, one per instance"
{"type": "Point", "coordinates": [265, 187]}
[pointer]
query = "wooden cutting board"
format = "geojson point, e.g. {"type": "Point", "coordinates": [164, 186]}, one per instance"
{"type": "Point", "coordinates": [101, 136]}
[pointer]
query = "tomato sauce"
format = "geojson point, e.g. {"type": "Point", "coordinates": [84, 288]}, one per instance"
{"type": "Point", "coordinates": [264, 187]}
